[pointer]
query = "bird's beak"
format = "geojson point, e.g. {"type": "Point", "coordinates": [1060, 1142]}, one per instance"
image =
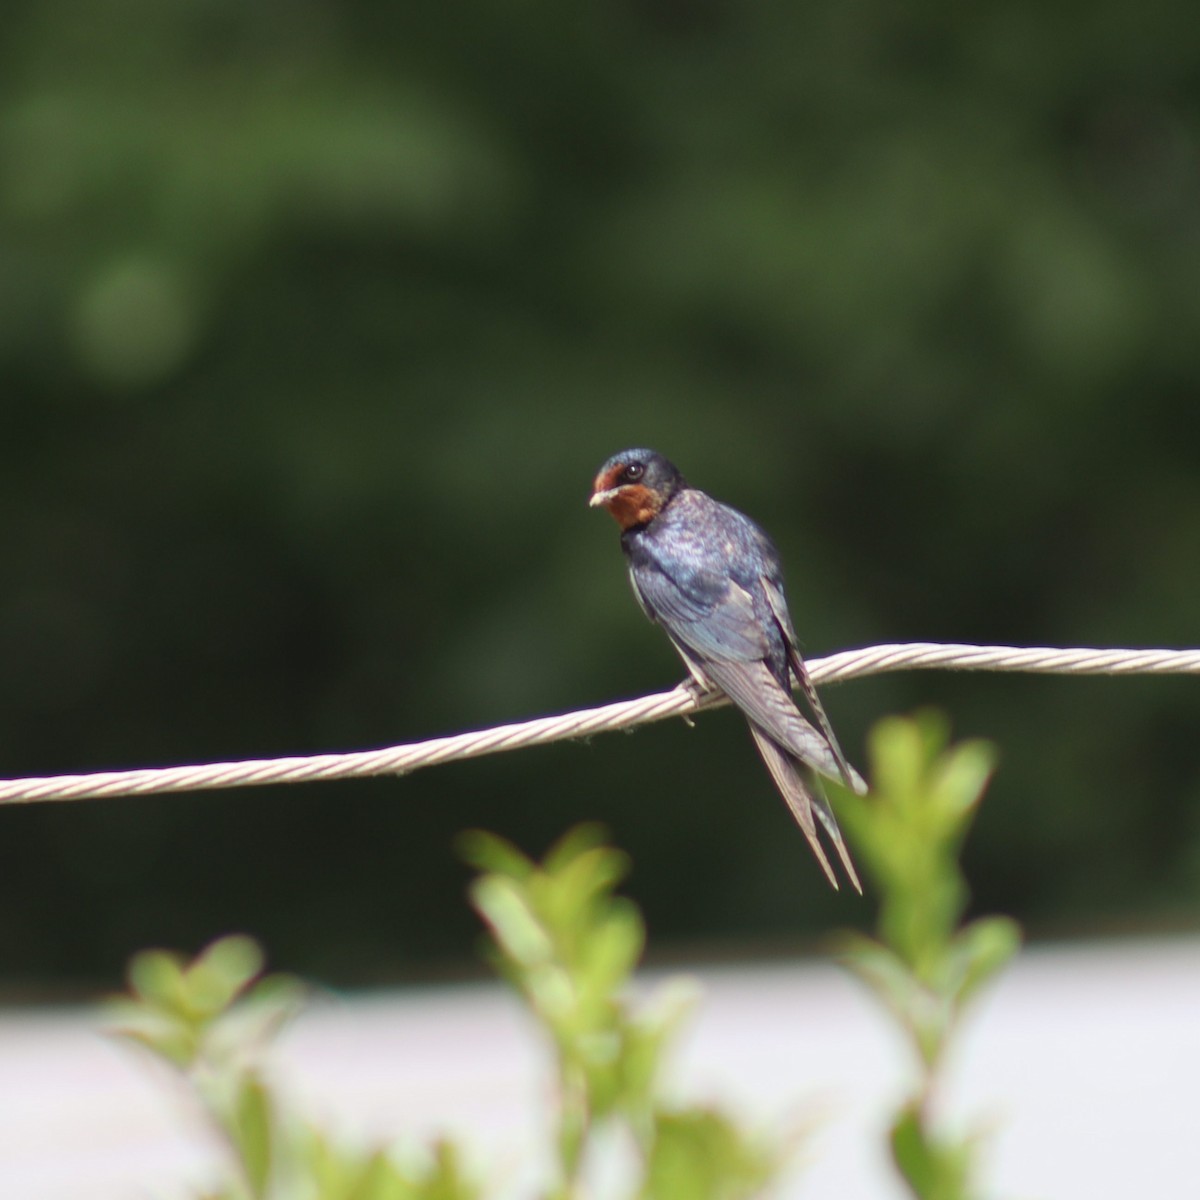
{"type": "Point", "coordinates": [599, 499]}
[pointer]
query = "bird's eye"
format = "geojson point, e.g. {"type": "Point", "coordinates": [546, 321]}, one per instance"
{"type": "Point", "coordinates": [633, 472]}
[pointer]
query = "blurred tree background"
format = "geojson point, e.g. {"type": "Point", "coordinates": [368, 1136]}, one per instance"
{"type": "Point", "coordinates": [316, 320]}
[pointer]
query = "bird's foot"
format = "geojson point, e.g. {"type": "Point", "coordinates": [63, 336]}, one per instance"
{"type": "Point", "coordinates": [697, 692]}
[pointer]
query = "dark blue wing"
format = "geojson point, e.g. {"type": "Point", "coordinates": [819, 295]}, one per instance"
{"type": "Point", "coordinates": [704, 609]}
{"type": "Point", "coordinates": [697, 572]}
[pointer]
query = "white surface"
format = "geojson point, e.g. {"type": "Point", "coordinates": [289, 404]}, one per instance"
{"type": "Point", "coordinates": [1084, 1062]}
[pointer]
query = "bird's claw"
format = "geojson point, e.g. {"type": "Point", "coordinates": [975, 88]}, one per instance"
{"type": "Point", "coordinates": [696, 692]}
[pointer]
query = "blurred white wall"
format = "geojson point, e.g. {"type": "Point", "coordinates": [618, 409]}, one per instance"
{"type": "Point", "coordinates": [1083, 1062]}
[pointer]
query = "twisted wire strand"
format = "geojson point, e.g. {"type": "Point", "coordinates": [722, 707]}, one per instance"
{"type": "Point", "coordinates": [681, 702]}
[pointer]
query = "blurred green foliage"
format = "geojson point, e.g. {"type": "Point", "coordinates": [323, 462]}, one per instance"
{"type": "Point", "coordinates": [316, 319]}
{"type": "Point", "coordinates": [926, 965]}
{"type": "Point", "coordinates": [569, 948]}
{"type": "Point", "coordinates": [212, 1020]}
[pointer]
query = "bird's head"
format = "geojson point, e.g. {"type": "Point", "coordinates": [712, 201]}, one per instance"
{"type": "Point", "coordinates": [634, 486]}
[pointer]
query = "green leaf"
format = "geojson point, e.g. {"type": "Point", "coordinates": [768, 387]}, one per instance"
{"type": "Point", "coordinates": [573, 896]}
{"type": "Point", "coordinates": [980, 951]}
{"type": "Point", "coordinates": [488, 853]}
{"type": "Point", "coordinates": [325, 1171]}
{"type": "Point", "coordinates": [579, 840]}
{"type": "Point", "coordinates": [956, 784]}
{"type": "Point", "coordinates": [446, 1179]}
{"type": "Point", "coordinates": [320, 1164]}
{"type": "Point", "coordinates": [175, 1042]}
{"type": "Point", "coordinates": [933, 1171]}
{"type": "Point", "coordinates": [610, 955]}
{"type": "Point", "coordinates": [884, 972]}
{"type": "Point", "coordinates": [262, 1011]}
{"type": "Point", "coordinates": [646, 1043]}
{"type": "Point", "coordinates": [504, 904]}
{"type": "Point", "coordinates": [698, 1154]}
{"type": "Point", "coordinates": [899, 748]}
{"type": "Point", "coordinates": [251, 1126]}
{"type": "Point", "coordinates": [220, 973]}
{"type": "Point", "coordinates": [156, 976]}
{"type": "Point", "coordinates": [600, 1053]}
{"type": "Point", "coordinates": [912, 1154]}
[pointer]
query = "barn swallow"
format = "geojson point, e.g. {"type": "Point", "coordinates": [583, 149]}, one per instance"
{"type": "Point", "coordinates": [712, 579]}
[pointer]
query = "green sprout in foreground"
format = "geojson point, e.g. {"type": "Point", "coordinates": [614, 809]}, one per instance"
{"type": "Point", "coordinates": [569, 947]}
{"type": "Point", "coordinates": [211, 1019]}
{"type": "Point", "coordinates": [924, 967]}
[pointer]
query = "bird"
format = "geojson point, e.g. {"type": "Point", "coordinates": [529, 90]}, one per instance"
{"type": "Point", "coordinates": [712, 578]}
